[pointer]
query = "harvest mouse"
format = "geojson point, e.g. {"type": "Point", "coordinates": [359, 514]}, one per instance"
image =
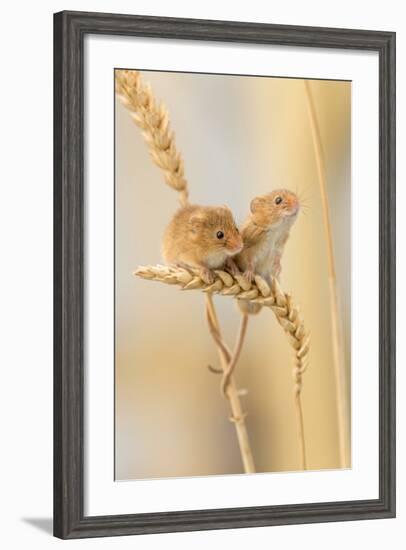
{"type": "Point", "coordinates": [202, 236]}
{"type": "Point", "coordinates": [264, 234]}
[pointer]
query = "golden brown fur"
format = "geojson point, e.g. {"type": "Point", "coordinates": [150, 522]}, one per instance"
{"type": "Point", "coordinates": [192, 239]}
{"type": "Point", "coordinates": [264, 234]}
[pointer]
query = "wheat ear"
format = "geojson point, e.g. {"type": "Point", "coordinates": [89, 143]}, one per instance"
{"type": "Point", "coordinates": [153, 120]}
{"type": "Point", "coordinates": [259, 292]}
{"type": "Point", "coordinates": [338, 354]}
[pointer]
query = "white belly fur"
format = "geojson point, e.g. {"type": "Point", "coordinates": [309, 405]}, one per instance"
{"type": "Point", "coordinates": [215, 260]}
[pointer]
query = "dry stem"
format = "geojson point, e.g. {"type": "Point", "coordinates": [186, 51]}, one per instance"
{"type": "Point", "coordinates": [238, 417]}
{"type": "Point", "coordinates": [338, 360]}
{"type": "Point", "coordinates": [300, 428]}
{"type": "Point", "coordinates": [259, 292]}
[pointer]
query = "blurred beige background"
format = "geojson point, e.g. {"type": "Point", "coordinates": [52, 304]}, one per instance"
{"type": "Point", "coordinates": [240, 137]}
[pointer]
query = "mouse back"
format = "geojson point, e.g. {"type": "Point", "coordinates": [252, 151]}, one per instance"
{"type": "Point", "coordinates": [201, 235]}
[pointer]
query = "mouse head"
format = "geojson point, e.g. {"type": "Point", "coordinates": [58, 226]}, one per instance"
{"type": "Point", "coordinates": [214, 229]}
{"type": "Point", "coordinates": [279, 206]}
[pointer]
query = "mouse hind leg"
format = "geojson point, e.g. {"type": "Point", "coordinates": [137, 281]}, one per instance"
{"type": "Point", "coordinates": [206, 274]}
{"type": "Point", "coordinates": [249, 272]}
{"type": "Point", "coordinates": [232, 267]}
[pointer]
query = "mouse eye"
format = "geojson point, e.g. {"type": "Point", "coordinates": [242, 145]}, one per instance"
{"type": "Point", "coordinates": [278, 200]}
{"type": "Point", "coordinates": [220, 235]}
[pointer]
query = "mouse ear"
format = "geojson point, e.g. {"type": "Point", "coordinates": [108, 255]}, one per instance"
{"type": "Point", "coordinates": [195, 222]}
{"type": "Point", "coordinates": [256, 203]}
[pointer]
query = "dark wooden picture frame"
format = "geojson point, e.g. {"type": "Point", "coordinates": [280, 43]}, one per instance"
{"type": "Point", "coordinates": [70, 29]}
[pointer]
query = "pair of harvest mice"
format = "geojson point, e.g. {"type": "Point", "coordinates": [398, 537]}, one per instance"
{"type": "Point", "coordinates": [207, 238]}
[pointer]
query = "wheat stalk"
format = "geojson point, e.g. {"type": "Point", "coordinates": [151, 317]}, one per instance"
{"type": "Point", "coordinates": [237, 414]}
{"type": "Point", "coordinates": [259, 292]}
{"type": "Point", "coordinates": [338, 354]}
{"type": "Point", "coordinates": [153, 120]}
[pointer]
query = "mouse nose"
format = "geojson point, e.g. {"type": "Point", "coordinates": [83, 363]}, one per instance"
{"type": "Point", "coordinates": [294, 204]}
{"type": "Point", "coordinates": [236, 244]}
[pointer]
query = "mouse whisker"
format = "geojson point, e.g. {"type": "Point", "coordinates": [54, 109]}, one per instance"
{"type": "Point", "coordinates": [305, 196]}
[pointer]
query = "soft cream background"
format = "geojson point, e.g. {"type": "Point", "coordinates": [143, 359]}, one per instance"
{"type": "Point", "coordinates": [240, 137]}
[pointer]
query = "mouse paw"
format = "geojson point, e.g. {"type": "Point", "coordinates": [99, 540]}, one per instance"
{"type": "Point", "coordinates": [248, 275]}
{"type": "Point", "coordinates": [277, 267]}
{"type": "Point", "coordinates": [207, 275]}
{"type": "Point", "coordinates": [232, 267]}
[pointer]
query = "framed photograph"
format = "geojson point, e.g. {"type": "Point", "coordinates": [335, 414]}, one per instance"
{"type": "Point", "coordinates": [224, 274]}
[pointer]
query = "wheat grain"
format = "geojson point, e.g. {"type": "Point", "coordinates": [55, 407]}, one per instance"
{"type": "Point", "coordinates": [153, 120]}
{"type": "Point", "coordinates": [225, 284]}
{"type": "Point", "coordinates": [259, 292]}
